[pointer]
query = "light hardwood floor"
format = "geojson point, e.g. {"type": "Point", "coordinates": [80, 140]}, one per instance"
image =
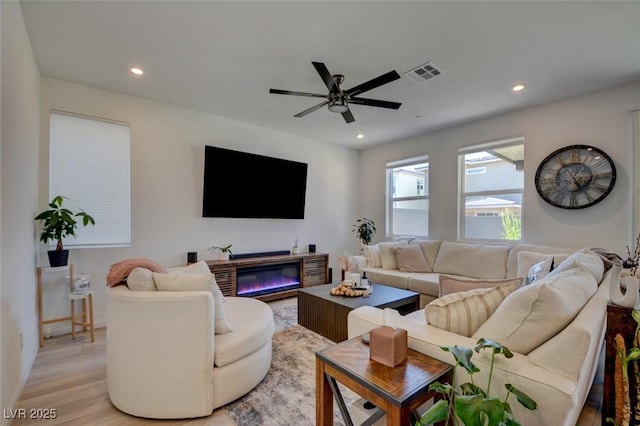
{"type": "Point", "coordinates": [70, 377]}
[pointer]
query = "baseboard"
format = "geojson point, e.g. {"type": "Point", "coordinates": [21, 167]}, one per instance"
{"type": "Point", "coordinates": [15, 398]}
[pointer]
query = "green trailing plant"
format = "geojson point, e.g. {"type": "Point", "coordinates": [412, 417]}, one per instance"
{"type": "Point", "coordinates": [511, 226]}
{"type": "Point", "coordinates": [621, 377]}
{"type": "Point", "coordinates": [223, 249]}
{"type": "Point", "coordinates": [364, 229]}
{"type": "Point", "coordinates": [471, 404]}
{"type": "Point", "coordinates": [59, 222]}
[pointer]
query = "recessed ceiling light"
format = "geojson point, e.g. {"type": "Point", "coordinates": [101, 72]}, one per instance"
{"type": "Point", "coordinates": [360, 136]}
{"type": "Point", "coordinates": [137, 71]}
{"type": "Point", "coordinates": [518, 87]}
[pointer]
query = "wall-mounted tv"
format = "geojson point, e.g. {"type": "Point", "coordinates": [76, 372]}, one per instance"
{"type": "Point", "coordinates": [243, 185]}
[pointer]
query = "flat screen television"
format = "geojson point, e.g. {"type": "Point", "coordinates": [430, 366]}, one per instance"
{"type": "Point", "coordinates": [243, 185]}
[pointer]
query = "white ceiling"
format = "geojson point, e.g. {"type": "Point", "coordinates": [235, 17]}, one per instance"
{"type": "Point", "coordinates": [223, 57]}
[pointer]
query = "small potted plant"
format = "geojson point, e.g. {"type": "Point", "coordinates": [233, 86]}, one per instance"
{"type": "Point", "coordinates": [364, 229]}
{"type": "Point", "coordinates": [59, 223]}
{"type": "Point", "coordinates": [295, 249]}
{"type": "Point", "coordinates": [225, 251]}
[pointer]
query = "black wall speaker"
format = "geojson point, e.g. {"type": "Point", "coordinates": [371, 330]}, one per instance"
{"type": "Point", "coordinates": [192, 257]}
{"type": "Point", "coordinates": [312, 248]}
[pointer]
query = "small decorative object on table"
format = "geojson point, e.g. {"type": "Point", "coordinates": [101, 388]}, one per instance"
{"type": "Point", "coordinates": [224, 252]}
{"type": "Point", "coordinates": [388, 345]}
{"type": "Point", "coordinates": [346, 263]}
{"type": "Point", "coordinates": [348, 290]}
{"type": "Point", "coordinates": [295, 249]}
{"type": "Point", "coordinates": [81, 284]}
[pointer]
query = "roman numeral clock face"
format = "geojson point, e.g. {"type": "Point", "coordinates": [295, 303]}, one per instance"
{"type": "Point", "coordinates": [575, 177]}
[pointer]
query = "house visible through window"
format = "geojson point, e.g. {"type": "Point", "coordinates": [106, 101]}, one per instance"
{"type": "Point", "coordinates": [408, 197]}
{"type": "Point", "coordinates": [89, 164]}
{"type": "Point", "coordinates": [492, 182]}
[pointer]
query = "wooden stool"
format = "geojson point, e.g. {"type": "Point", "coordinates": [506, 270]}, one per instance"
{"type": "Point", "coordinates": [85, 317]}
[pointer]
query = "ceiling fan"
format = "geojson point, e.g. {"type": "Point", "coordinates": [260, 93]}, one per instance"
{"type": "Point", "coordinates": [338, 99]}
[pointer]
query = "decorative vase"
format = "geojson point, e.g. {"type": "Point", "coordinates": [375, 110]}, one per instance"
{"type": "Point", "coordinates": [81, 284]}
{"type": "Point", "coordinates": [630, 297]}
{"type": "Point", "coordinates": [58, 258]}
{"type": "Point", "coordinates": [294, 250]}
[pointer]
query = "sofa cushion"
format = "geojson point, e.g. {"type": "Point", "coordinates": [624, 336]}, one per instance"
{"type": "Point", "coordinates": [411, 259]}
{"type": "Point", "coordinates": [450, 284]}
{"type": "Point", "coordinates": [253, 327]}
{"type": "Point", "coordinates": [512, 258]}
{"type": "Point", "coordinates": [430, 250]}
{"type": "Point", "coordinates": [472, 260]}
{"type": "Point", "coordinates": [583, 257]}
{"type": "Point", "coordinates": [196, 282]}
{"type": "Point", "coordinates": [463, 312]}
{"type": "Point", "coordinates": [426, 284]}
{"type": "Point", "coordinates": [120, 271]}
{"type": "Point", "coordinates": [372, 253]}
{"type": "Point", "coordinates": [533, 314]}
{"type": "Point", "coordinates": [141, 279]}
{"type": "Point", "coordinates": [198, 268]}
{"type": "Point", "coordinates": [386, 253]}
{"type": "Point", "coordinates": [390, 277]}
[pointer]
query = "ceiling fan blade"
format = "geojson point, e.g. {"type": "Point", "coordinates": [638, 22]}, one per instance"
{"type": "Point", "coordinates": [313, 108]}
{"type": "Point", "coordinates": [375, 103]}
{"type": "Point", "coordinates": [348, 117]}
{"type": "Point", "coordinates": [289, 92]}
{"type": "Point", "coordinates": [373, 83]}
{"type": "Point", "coordinates": [325, 75]}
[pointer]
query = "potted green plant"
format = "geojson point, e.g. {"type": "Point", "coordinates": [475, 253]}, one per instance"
{"type": "Point", "coordinates": [471, 404]}
{"type": "Point", "coordinates": [225, 251]}
{"type": "Point", "coordinates": [364, 229]}
{"type": "Point", "coordinates": [58, 223]}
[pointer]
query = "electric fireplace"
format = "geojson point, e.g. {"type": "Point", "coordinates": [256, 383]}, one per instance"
{"type": "Point", "coordinates": [266, 279]}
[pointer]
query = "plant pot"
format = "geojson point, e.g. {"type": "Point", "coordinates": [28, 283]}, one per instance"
{"type": "Point", "coordinates": [223, 255]}
{"type": "Point", "coordinates": [58, 258]}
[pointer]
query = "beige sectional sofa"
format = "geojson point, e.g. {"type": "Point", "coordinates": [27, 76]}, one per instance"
{"type": "Point", "coordinates": [554, 325]}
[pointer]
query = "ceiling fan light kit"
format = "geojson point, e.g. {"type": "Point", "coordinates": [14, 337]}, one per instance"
{"type": "Point", "coordinates": [337, 99]}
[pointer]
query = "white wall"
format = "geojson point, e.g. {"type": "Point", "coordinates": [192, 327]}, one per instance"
{"type": "Point", "coordinates": [19, 118]}
{"type": "Point", "coordinates": [167, 148]}
{"type": "Point", "coordinates": [601, 119]}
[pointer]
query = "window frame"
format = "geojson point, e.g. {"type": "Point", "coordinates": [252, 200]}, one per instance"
{"type": "Point", "coordinates": [93, 205]}
{"type": "Point", "coordinates": [390, 199]}
{"type": "Point", "coordinates": [462, 195]}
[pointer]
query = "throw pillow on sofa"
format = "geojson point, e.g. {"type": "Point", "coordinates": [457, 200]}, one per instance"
{"type": "Point", "coordinates": [472, 260]}
{"type": "Point", "coordinates": [533, 314]}
{"type": "Point", "coordinates": [526, 259]}
{"type": "Point", "coordinates": [539, 270]}
{"type": "Point", "coordinates": [463, 312]}
{"type": "Point", "coordinates": [451, 284]}
{"type": "Point", "coordinates": [583, 257]}
{"type": "Point", "coordinates": [411, 259]}
{"type": "Point", "coordinates": [386, 254]}
{"type": "Point", "coordinates": [430, 250]}
{"type": "Point", "coordinates": [141, 279]}
{"type": "Point", "coordinates": [178, 281]}
{"type": "Point", "coordinates": [372, 253]}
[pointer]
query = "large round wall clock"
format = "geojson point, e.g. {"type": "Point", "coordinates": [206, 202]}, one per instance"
{"type": "Point", "coordinates": [575, 177]}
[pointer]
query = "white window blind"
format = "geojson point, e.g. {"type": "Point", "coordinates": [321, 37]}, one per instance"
{"type": "Point", "coordinates": [89, 164]}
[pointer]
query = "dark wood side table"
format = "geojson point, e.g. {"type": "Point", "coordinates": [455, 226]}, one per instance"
{"type": "Point", "coordinates": [619, 320]}
{"type": "Point", "coordinates": [326, 315]}
{"type": "Point", "coordinates": [395, 391]}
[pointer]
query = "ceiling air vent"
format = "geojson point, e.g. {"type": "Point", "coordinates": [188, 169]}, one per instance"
{"type": "Point", "coordinates": [423, 73]}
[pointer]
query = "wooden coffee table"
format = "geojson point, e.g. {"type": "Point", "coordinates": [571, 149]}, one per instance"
{"type": "Point", "coordinates": [326, 315]}
{"type": "Point", "coordinates": [397, 391]}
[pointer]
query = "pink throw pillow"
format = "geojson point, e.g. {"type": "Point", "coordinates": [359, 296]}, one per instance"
{"type": "Point", "coordinates": [120, 271]}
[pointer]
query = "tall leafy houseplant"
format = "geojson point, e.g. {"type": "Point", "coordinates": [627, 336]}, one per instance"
{"type": "Point", "coordinates": [471, 404]}
{"type": "Point", "coordinates": [364, 229]}
{"type": "Point", "coordinates": [58, 223]}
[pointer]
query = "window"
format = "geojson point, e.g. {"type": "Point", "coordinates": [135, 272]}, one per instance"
{"type": "Point", "coordinates": [89, 165]}
{"type": "Point", "coordinates": [408, 197]}
{"type": "Point", "coordinates": [491, 182]}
